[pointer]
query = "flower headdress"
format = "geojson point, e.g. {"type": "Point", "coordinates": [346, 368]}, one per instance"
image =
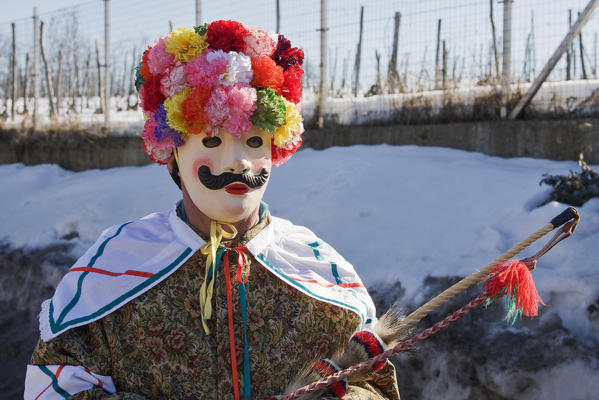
{"type": "Point", "coordinates": [223, 75]}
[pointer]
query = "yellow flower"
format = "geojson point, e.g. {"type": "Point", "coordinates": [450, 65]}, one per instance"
{"type": "Point", "coordinates": [174, 111]}
{"type": "Point", "coordinates": [185, 44]}
{"type": "Point", "coordinates": [292, 120]}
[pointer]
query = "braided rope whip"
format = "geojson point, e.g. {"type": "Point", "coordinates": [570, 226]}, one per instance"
{"type": "Point", "coordinates": [416, 316]}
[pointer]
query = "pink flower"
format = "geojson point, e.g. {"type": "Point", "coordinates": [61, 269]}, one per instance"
{"type": "Point", "coordinates": [231, 108]}
{"type": "Point", "coordinates": [158, 58]}
{"type": "Point", "coordinates": [216, 110]}
{"type": "Point", "coordinates": [241, 99]}
{"type": "Point", "coordinates": [173, 80]}
{"type": "Point", "coordinates": [149, 126]}
{"type": "Point", "coordinates": [206, 68]}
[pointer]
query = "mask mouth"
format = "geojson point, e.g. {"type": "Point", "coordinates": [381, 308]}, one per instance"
{"type": "Point", "coordinates": [237, 188]}
{"type": "Point", "coordinates": [216, 182]}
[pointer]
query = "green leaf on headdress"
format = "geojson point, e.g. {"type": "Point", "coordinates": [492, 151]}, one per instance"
{"type": "Point", "coordinates": [139, 79]}
{"type": "Point", "coordinates": [201, 29]}
{"type": "Point", "coordinates": [270, 112]}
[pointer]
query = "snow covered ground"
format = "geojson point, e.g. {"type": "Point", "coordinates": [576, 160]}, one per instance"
{"type": "Point", "coordinates": [397, 213]}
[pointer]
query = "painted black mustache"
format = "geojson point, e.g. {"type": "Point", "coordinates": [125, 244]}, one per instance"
{"type": "Point", "coordinates": [216, 182]}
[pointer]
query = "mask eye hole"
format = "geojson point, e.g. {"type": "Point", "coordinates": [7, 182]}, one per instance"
{"type": "Point", "coordinates": [211, 141]}
{"type": "Point", "coordinates": [255, 142]}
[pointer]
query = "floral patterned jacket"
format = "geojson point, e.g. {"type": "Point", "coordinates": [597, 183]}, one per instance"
{"type": "Point", "coordinates": [154, 347]}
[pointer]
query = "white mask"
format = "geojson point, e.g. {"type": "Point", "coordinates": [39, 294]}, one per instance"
{"type": "Point", "coordinates": [214, 194]}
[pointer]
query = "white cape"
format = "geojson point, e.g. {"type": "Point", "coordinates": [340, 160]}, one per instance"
{"type": "Point", "coordinates": [129, 259]}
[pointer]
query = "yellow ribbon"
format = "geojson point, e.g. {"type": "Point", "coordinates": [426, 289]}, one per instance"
{"type": "Point", "coordinates": [217, 233]}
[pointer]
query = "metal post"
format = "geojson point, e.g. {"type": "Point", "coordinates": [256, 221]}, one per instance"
{"type": "Point", "coordinates": [564, 45]}
{"type": "Point", "coordinates": [507, 57]}
{"type": "Point", "coordinates": [36, 66]}
{"type": "Point", "coordinates": [14, 72]}
{"type": "Point", "coordinates": [323, 63]}
{"type": "Point", "coordinates": [107, 64]}
{"type": "Point", "coordinates": [278, 16]}
{"type": "Point", "coordinates": [198, 12]}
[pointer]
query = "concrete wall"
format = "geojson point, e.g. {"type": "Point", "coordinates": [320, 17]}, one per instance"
{"type": "Point", "coordinates": [75, 151]}
{"type": "Point", "coordinates": [553, 139]}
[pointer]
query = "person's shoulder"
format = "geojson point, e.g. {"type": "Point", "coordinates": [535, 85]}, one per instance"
{"type": "Point", "coordinates": [285, 235]}
{"type": "Point", "coordinates": [152, 223]}
{"type": "Point", "coordinates": [164, 227]}
{"type": "Point", "coordinates": [287, 230]}
{"type": "Point", "coordinates": [127, 260]}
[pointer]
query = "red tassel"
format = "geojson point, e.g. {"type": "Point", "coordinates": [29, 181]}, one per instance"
{"type": "Point", "coordinates": [514, 280]}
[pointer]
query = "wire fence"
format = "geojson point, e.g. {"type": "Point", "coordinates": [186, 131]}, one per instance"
{"type": "Point", "coordinates": [387, 61]}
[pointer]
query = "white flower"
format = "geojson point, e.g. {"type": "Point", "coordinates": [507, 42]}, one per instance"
{"type": "Point", "coordinates": [239, 69]}
{"type": "Point", "coordinates": [173, 81]}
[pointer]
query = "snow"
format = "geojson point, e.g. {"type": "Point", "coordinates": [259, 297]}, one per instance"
{"type": "Point", "coordinates": [398, 213]}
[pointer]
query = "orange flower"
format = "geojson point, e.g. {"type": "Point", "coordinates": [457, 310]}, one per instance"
{"type": "Point", "coordinates": [145, 70]}
{"type": "Point", "coordinates": [193, 109]}
{"type": "Point", "coordinates": [267, 74]}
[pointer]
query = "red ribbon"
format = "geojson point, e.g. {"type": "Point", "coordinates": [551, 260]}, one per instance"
{"type": "Point", "coordinates": [242, 258]}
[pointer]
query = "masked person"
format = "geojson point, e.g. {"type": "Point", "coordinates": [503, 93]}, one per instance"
{"type": "Point", "coordinates": [214, 298]}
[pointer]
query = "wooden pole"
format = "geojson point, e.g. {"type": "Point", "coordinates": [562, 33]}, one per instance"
{"type": "Point", "coordinates": [77, 91]}
{"type": "Point", "coordinates": [86, 84]}
{"type": "Point", "coordinates": [581, 47]}
{"type": "Point", "coordinates": [198, 12]}
{"type": "Point", "coordinates": [49, 87]}
{"type": "Point", "coordinates": [107, 64]}
{"type": "Point", "coordinates": [36, 66]}
{"type": "Point", "coordinates": [495, 52]}
{"type": "Point", "coordinates": [344, 73]}
{"type": "Point", "coordinates": [278, 6]}
{"type": "Point", "coordinates": [379, 83]}
{"type": "Point", "coordinates": [322, 95]}
{"type": "Point", "coordinates": [59, 82]}
{"type": "Point", "coordinates": [566, 42]}
{"type": "Point", "coordinates": [444, 70]}
{"type": "Point", "coordinates": [100, 78]}
{"type": "Point", "coordinates": [392, 74]}
{"type": "Point", "coordinates": [507, 57]}
{"type": "Point", "coordinates": [569, 51]}
{"type": "Point", "coordinates": [14, 70]}
{"type": "Point", "coordinates": [359, 53]}
{"type": "Point", "coordinates": [438, 54]}
{"type": "Point", "coordinates": [26, 83]}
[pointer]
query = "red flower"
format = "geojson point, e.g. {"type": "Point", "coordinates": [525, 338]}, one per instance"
{"type": "Point", "coordinates": [280, 155]}
{"type": "Point", "coordinates": [150, 95]}
{"type": "Point", "coordinates": [193, 109]}
{"type": "Point", "coordinates": [292, 87]}
{"type": "Point", "coordinates": [267, 74]}
{"type": "Point", "coordinates": [287, 56]}
{"type": "Point", "coordinates": [226, 36]}
{"type": "Point", "coordinates": [145, 70]}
